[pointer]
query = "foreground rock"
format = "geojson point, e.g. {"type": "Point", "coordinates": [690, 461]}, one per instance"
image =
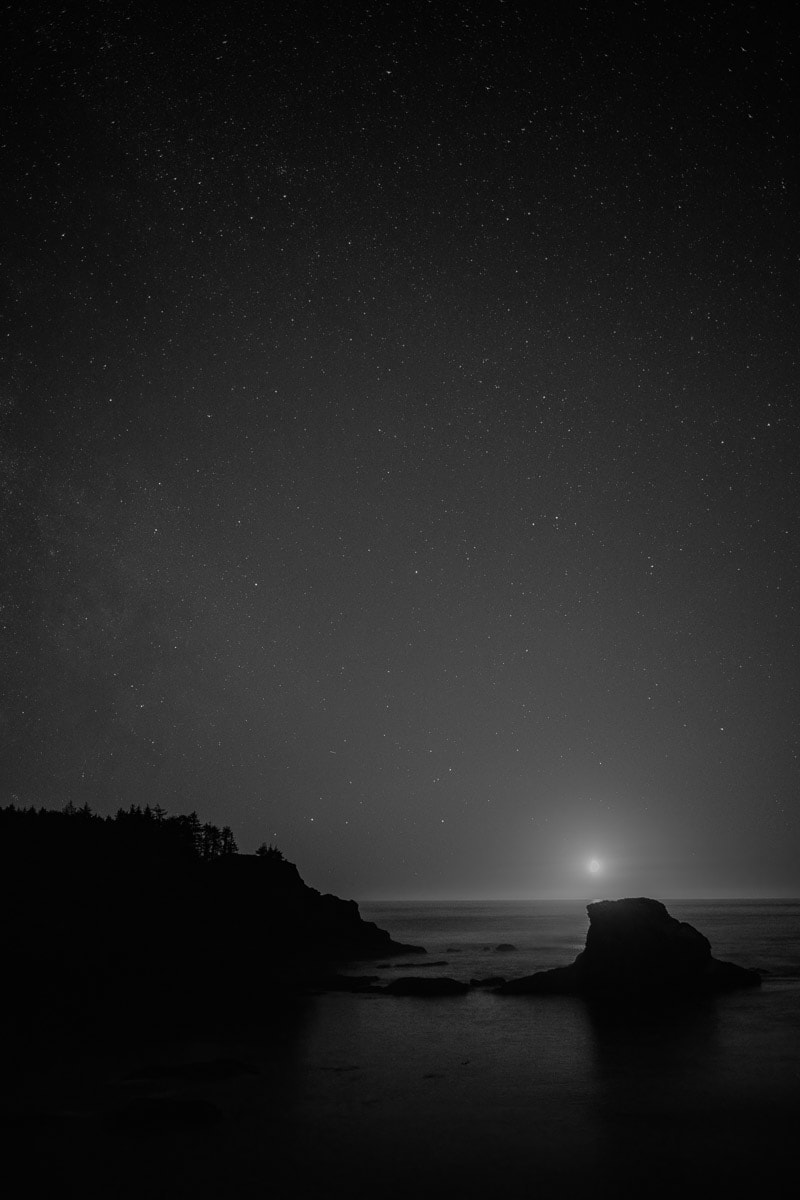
{"type": "Point", "coordinates": [635, 948]}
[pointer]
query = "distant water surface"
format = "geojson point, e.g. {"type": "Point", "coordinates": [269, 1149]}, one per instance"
{"type": "Point", "coordinates": [755, 933]}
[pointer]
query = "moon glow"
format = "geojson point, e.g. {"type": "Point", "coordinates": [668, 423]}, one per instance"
{"type": "Point", "coordinates": [594, 866]}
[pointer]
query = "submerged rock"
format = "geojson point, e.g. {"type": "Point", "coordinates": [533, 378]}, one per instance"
{"type": "Point", "coordinates": [424, 985]}
{"type": "Point", "coordinates": [635, 948]}
{"type": "Point", "coordinates": [440, 962]}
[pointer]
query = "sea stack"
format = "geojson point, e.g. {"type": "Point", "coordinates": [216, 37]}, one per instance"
{"type": "Point", "coordinates": [635, 948]}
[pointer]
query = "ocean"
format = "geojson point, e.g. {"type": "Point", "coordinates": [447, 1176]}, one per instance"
{"type": "Point", "coordinates": [473, 1095]}
{"type": "Point", "coordinates": [466, 1092]}
{"type": "Point", "coordinates": [545, 934]}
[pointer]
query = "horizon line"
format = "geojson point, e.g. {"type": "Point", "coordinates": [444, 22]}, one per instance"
{"type": "Point", "coordinates": [720, 896]}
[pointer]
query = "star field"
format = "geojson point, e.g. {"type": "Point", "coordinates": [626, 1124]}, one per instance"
{"type": "Point", "coordinates": [399, 440]}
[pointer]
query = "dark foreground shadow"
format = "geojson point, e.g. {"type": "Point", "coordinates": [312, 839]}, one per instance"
{"type": "Point", "coordinates": [162, 1115]}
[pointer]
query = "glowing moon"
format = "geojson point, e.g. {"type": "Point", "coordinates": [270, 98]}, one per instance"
{"type": "Point", "coordinates": [594, 866]}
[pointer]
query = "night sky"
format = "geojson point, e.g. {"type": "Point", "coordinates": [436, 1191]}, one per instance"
{"type": "Point", "coordinates": [399, 446]}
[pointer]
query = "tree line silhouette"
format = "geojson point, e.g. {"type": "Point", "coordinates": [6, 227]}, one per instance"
{"type": "Point", "coordinates": [139, 833]}
{"type": "Point", "coordinates": [138, 912]}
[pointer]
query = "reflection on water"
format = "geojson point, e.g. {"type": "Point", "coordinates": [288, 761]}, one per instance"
{"type": "Point", "coordinates": [694, 1097]}
{"type": "Point", "coordinates": [641, 1041]}
{"type": "Point", "coordinates": [656, 1071]}
{"type": "Point", "coordinates": [464, 1086]}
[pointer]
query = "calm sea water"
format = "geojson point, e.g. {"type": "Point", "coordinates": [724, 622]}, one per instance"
{"type": "Point", "coordinates": [759, 933]}
{"type": "Point", "coordinates": [476, 1095]}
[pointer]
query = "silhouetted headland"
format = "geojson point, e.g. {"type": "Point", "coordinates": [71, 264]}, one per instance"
{"type": "Point", "coordinates": [635, 949]}
{"type": "Point", "coordinates": [150, 918]}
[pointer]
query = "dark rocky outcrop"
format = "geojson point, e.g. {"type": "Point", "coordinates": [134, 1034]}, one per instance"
{"type": "Point", "coordinates": [151, 937]}
{"type": "Point", "coordinates": [490, 981]}
{"type": "Point", "coordinates": [560, 981]}
{"type": "Point", "coordinates": [726, 976]}
{"type": "Point", "coordinates": [299, 923]}
{"type": "Point", "coordinates": [504, 947]}
{"type": "Point", "coordinates": [635, 948]}
{"type": "Point", "coordinates": [425, 985]}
